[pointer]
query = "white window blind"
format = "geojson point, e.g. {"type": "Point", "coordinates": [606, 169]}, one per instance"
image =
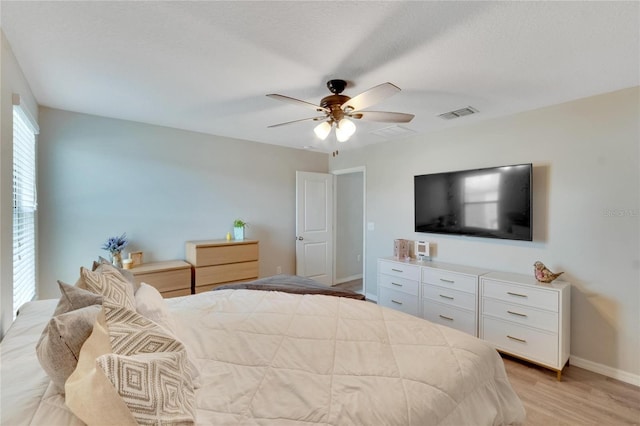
{"type": "Point", "coordinates": [24, 207]}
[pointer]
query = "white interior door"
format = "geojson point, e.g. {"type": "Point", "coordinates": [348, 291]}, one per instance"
{"type": "Point", "coordinates": [314, 226]}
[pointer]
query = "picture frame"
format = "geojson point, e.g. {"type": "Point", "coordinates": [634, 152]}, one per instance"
{"type": "Point", "coordinates": [136, 256]}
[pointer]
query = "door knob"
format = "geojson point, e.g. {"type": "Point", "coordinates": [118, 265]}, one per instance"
{"type": "Point", "coordinates": [300, 238]}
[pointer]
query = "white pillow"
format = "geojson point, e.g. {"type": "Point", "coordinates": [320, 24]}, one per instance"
{"type": "Point", "coordinates": [151, 305]}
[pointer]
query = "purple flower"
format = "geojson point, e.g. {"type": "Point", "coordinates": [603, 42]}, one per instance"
{"type": "Point", "coordinates": [116, 244]}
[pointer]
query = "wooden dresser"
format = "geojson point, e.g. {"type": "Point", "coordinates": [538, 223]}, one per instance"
{"type": "Point", "coordinates": [218, 262]}
{"type": "Point", "coordinates": [172, 278]}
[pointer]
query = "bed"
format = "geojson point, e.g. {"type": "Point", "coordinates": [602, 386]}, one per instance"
{"type": "Point", "coordinates": [271, 357]}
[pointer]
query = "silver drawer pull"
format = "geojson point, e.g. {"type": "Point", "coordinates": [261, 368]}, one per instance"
{"type": "Point", "coordinates": [397, 270]}
{"type": "Point", "coordinates": [447, 281]}
{"type": "Point", "coordinates": [446, 297]}
{"type": "Point", "coordinates": [399, 285]}
{"type": "Point", "coordinates": [517, 294]}
{"type": "Point", "coordinates": [517, 313]}
{"type": "Point", "coordinates": [396, 302]}
{"type": "Point", "coordinates": [516, 339]}
{"type": "Point", "coordinates": [447, 318]}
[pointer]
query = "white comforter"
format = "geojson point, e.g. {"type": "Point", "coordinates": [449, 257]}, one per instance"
{"type": "Point", "coordinates": [276, 358]}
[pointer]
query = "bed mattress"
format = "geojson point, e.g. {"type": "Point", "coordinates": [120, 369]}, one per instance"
{"type": "Point", "coordinates": [285, 359]}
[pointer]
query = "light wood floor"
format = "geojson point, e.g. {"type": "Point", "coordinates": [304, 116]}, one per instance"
{"type": "Point", "coordinates": [581, 398]}
{"type": "Point", "coordinates": [355, 285]}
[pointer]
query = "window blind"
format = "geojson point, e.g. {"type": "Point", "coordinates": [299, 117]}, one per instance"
{"type": "Point", "coordinates": [24, 208]}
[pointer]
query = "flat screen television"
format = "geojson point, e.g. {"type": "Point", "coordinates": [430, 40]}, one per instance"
{"type": "Point", "coordinates": [490, 203]}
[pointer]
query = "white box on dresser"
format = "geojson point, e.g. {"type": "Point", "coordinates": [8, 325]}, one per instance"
{"type": "Point", "coordinates": [399, 285]}
{"type": "Point", "coordinates": [450, 295]}
{"type": "Point", "coordinates": [525, 318]}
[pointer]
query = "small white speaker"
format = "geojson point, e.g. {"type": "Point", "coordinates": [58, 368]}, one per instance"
{"type": "Point", "coordinates": [422, 249]}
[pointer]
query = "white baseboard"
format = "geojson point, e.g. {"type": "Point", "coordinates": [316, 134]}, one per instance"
{"type": "Point", "coordinates": [605, 370]}
{"type": "Point", "coordinates": [372, 297]}
{"type": "Point", "coordinates": [347, 279]}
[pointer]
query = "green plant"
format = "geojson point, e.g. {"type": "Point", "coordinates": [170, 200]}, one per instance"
{"type": "Point", "coordinates": [239, 223]}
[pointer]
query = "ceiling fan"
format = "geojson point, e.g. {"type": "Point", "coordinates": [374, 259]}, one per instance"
{"type": "Point", "coordinates": [338, 109]}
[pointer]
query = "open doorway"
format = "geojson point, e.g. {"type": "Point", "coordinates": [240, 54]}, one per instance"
{"type": "Point", "coordinates": [349, 228]}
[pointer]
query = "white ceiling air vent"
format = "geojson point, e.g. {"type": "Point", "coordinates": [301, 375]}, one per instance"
{"type": "Point", "coordinates": [458, 113]}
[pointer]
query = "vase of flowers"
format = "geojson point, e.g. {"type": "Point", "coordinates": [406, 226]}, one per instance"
{"type": "Point", "coordinates": [114, 246]}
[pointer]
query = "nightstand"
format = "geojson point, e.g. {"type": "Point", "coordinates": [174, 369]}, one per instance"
{"type": "Point", "coordinates": [172, 278]}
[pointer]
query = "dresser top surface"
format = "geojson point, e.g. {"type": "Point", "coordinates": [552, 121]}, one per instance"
{"type": "Point", "coordinates": [452, 267]}
{"type": "Point", "coordinates": [511, 277]}
{"type": "Point", "coordinates": [167, 265]}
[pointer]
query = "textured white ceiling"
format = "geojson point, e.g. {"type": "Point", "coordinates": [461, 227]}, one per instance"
{"type": "Point", "coordinates": [206, 66]}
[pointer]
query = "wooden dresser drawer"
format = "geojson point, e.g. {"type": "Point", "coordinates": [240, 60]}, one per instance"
{"type": "Point", "coordinates": [400, 284]}
{"type": "Point", "coordinates": [168, 277]}
{"type": "Point", "coordinates": [520, 294]}
{"type": "Point", "coordinates": [398, 300]}
{"type": "Point", "coordinates": [450, 279]}
{"type": "Point", "coordinates": [522, 314]}
{"type": "Point", "coordinates": [450, 316]}
{"type": "Point", "coordinates": [399, 269]}
{"type": "Point", "coordinates": [176, 293]}
{"type": "Point", "coordinates": [448, 296]}
{"type": "Point", "coordinates": [220, 253]}
{"type": "Point", "coordinates": [231, 272]}
{"type": "Point", "coordinates": [520, 340]}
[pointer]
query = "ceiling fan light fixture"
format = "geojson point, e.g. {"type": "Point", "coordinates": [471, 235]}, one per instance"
{"type": "Point", "coordinates": [322, 130]}
{"type": "Point", "coordinates": [345, 129]}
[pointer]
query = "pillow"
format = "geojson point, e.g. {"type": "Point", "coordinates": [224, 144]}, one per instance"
{"type": "Point", "coordinates": [108, 282]}
{"type": "Point", "coordinates": [128, 275]}
{"type": "Point", "coordinates": [151, 305]}
{"type": "Point", "coordinates": [59, 346]}
{"type": "Point", "coordinates": [131, 371]}
{"type": "Point", "coordinates": [75, 298]}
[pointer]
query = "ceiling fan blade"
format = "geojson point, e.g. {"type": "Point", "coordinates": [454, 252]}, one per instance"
{"type": "Point", "coordinates": [297, 121]}
{"type": "Point", "coordinates": [370, 97]}
{"type": "Point", "coordinates": [295, 101]}
{"type": "Point", "coordinates": [383, 116]}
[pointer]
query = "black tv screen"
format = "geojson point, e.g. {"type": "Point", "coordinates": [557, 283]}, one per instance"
{"type": "Point", "coordinates": [489, 203]}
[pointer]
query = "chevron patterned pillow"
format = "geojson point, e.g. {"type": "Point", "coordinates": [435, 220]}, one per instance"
{"type": "Point", "coordinates": [131, 371]}
{"type": "Point", "coordinates": [110, 283]}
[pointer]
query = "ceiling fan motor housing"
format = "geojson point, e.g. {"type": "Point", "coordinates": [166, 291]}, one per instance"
{"type": "Point", "coordinates": [336, 86]}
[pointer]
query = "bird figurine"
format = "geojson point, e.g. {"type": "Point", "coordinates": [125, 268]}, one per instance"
{"type": "Point", "coordinates": [543, 274]}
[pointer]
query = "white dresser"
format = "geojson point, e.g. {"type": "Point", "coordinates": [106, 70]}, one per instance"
{"type": "Point", "coordinates": [450, 295]}
{"type": "Point", "coordinates": [525, 318]}
{"type": "Point", "coordinates": [399, 285]}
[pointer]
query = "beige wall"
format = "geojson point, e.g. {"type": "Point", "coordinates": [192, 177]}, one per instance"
{"type": "Point", "coordinates": [12, 82]}
{"type": "Point", "coordinates": [586, 208]}
{"type": "Point", "coordinates": [100, 177]}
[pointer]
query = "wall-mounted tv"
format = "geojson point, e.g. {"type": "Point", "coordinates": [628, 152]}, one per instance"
{"type": "Point", "coordinates": [490, 203]}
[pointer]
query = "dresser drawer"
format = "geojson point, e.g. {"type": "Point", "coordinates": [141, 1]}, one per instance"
{"type": "Point", "coordinates": [546, 320]}
{"type": "Point", "coordinates": [232, 272]}
{"type": "Point", "coordinates": [400, 284]}
{"type": "Point", "coordinates": [398, 300]}
{"type": "Point", "coordinates": [523, 295]}
{"type": "Point", "coordinates": [449, 316]}
{"type": "Point", "coordinates": [401, 270]}
{"type": "Point", "coordinates": [519, 340]}
{"type": "Point", "coordinates": [201, 254]}
{"type": "Point", "coordinates": [449, 279]}
{"type": "Point", "coordinates": [448, 296]}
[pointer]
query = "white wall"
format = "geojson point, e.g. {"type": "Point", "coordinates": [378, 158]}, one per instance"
{"type": "Point", "coordinates": [12, 81]}
{"type": "Point", "coordinates": [348, 243]}
{"type": "Point", "coordinates": [586, 208]}
{"type": "Point", "coordinates": [100, 177]}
